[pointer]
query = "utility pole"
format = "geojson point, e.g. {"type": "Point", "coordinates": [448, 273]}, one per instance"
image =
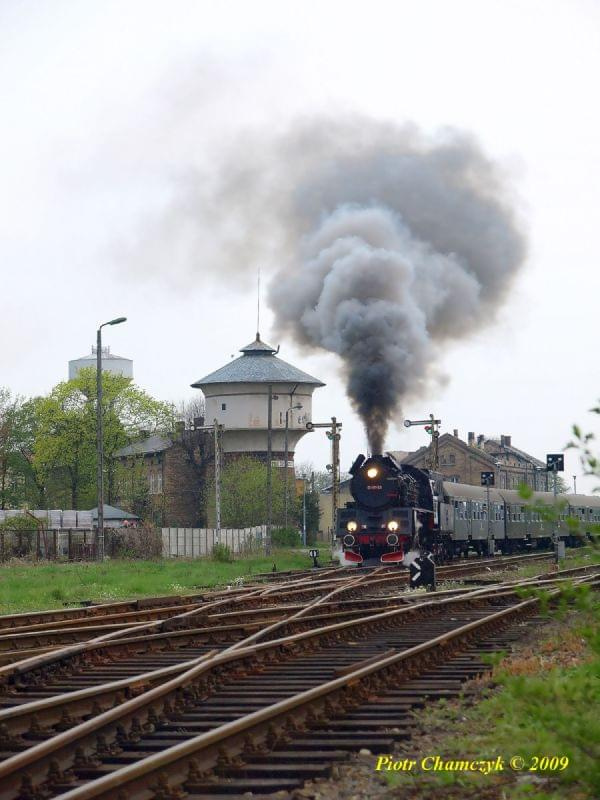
{"type": "Point", "coordinates": [304, 511]}
{"type": "Point", "coordinates": [269, 468]}
{"type": "Point", "coordinates": [574, 484]}
{"type": "Point", "coordinates": [286, 456]}
{"type": "Point", "coordinates": [218, 429]}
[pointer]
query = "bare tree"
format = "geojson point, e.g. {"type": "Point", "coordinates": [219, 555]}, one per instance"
{"type": "Point", "coordinates": [191, 409]}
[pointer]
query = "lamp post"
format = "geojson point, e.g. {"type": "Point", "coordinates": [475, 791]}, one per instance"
{"type": "Point", "coordinates": [286, 448]}
{"type": "Point", "coordinates": [99, 438]}
{"type": "Point", "coordinates": [574, 484]}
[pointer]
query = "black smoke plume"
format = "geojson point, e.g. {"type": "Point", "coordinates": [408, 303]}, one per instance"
{"type": "Point", "coordinates": [391, 244]}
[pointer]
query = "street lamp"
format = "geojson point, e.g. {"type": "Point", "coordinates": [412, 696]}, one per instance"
{"type": "Point", "coordinates": [99, 441]}
{"type": "Point", "coordinates": [286, 449]}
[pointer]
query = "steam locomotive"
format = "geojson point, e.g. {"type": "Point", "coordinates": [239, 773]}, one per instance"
{"type": "Point", "coordinates": [398, 508]}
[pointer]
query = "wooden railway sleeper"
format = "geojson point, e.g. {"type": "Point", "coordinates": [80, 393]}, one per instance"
{"type": "Point", "coordinates": [252, 748]}
{"type": "Point", "coordinates": [66, 721]}
{"type": "Point", "coordinates": [164, 791]}
{"type": "Point", "coordinates": [83, 761]}
{"type": "Point", "coordinates": [226, 761]}
{"type": "Point", "coordinates": [10, 741]}
{"type": "Point", "coordinates": [28, 791]}
{"type": "Point", "coordinates": [57, 777]}
{"type": "Point", "coordinates": [36, 732]}
{"type": "Point", "coordinates": [103, 749]}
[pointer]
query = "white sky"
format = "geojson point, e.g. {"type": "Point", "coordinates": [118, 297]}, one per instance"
{"type": "Point", "coordinates": [103, 103]}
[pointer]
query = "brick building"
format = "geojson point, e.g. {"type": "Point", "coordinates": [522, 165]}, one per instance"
{"type": "Point", "coordinates": [162, 477]}
{"type": "Point", "coordinates": [463, 462]}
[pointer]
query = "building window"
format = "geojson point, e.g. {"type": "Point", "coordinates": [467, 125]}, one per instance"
{"type": "Point", "coordinates": [223, 406]}
{"type": "Point", "coordinates": [159, 485]}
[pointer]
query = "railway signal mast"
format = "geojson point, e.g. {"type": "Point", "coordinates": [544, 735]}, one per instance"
{"type": "Point", "coordinates": [555, 463]}
{"type": "Point", "coordinates": [334, 435]}
{"type": "Point", "coordinates": [431, 427]}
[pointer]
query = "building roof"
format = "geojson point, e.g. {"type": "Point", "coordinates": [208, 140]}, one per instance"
{"type": "Point", "coordinates": [507, 448]}
{"type": "Point", "coordinates": [257, 346]}
{"type": "Point", "coordinates": [110, 512]}
{"type": "Point", "coordinates": [106, 356]}
{"type": "Point", "coordinates": [153, 444]}
{"type": "Point", "coordinates": [399, 455]}
{"type": "Point", "coordinates": [448, 438]}
{"type": "Point", "coordinates": [258, 364]}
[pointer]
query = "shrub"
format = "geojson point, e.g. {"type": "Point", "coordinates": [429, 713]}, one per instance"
{"type": "Point", "coordinates": [221, 553]}
{"type": "Point", "coordinates": [286, 537]}
{"type": "Point", "coordinates": [142, 542]}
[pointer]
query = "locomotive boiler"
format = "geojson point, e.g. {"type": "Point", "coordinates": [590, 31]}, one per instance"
{"type": "Point", "coordinates": [394, 510]}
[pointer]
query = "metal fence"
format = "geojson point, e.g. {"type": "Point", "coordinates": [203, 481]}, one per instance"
{"type": "Point", "coordinates": [200, 542]}
{"type": "Point", "coordinates": [69, 545]}
{"type": "Point", "coordinates": [74, 544]}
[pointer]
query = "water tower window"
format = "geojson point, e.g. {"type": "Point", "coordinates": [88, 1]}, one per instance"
{"type": "Point", "coordinates": [223, 406]}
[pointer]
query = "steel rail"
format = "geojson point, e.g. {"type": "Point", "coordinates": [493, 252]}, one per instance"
{"type": "Point", "coordinates": [169, 624]}
{"type": "Point", "coordinates": [150, 614]}
{"type": "Point", "coordinates": [105, 642]}
{"type": "Point", "coordinates": [85, 730]}
{"type": "Point", "coordinates": [201, 753]}
{"type": "Point", "coordinates": [197, 670]}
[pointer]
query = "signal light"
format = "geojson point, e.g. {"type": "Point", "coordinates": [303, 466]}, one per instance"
{"type": "Point", "coordinates": [428, 429]}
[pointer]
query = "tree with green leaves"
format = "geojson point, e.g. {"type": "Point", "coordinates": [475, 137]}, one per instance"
{"type": "Point", "coordinates": [9, 406]}
{"type": "Point", "coordinates": [244, 494]}
{"type": "Point", "coordinates": [65, 441]}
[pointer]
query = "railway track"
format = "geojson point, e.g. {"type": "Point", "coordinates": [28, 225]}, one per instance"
{"type": "Point", "coordinates": [246, 718]}
{"type": "Point", "coordinates": [25, 636]}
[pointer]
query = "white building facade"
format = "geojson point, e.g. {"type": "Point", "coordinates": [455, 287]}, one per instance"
{"type": "Point", "coordinates": [117, 365]}
{"type": "Point", "coordinates": [237, 396]}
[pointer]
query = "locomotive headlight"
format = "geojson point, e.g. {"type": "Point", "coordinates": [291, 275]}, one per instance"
{"type": "Point", "coordinates": [372, 472]}
{"type": "Point", "coordinates": [392, 525]}
{"type": "Point", "coordinates": [352, 526]}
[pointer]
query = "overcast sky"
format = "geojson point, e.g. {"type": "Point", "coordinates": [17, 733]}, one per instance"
{"type": "Point", "coordinates": [109, 108]}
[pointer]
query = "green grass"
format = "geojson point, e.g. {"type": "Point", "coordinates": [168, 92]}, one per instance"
{"type": "Point", "coordinates": [546, 705]}
{"type": "Point", "coordinates": [29, 586]}
{"type": "Point", "coordinates": [580, 557]}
